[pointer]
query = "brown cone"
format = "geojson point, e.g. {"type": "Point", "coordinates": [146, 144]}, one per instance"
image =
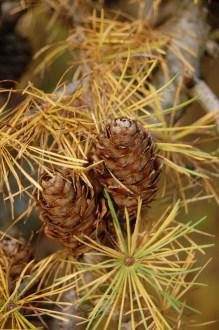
{"type": "Point", "coordinates": [131, 167]}
{"type": "Point", "coordinates": [18, 252]}
{"type": "Point", "coordinates": [68, 209]}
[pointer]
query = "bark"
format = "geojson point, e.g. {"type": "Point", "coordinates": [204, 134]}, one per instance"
{"type": "Point", "coordinates": [206, 97]}
{"type": "Point", "coordinates": [188, 32]}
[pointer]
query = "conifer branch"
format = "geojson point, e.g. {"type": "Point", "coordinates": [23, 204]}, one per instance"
{"type": "Point", "coordinates": [188, 32]}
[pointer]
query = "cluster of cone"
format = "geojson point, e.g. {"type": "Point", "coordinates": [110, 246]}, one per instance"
{"type": "Point", "coordinates": [128, 168]}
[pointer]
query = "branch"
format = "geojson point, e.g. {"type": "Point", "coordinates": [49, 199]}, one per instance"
{"type": "Point", "coordinates": [207, 99]}
{"type": "Point", "coordinates": [188, 32]}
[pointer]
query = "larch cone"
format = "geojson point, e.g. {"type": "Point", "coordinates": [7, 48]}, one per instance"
{"type": "Point", "coordinates": [18, 252]}
{"type": "Point", "coordinates": [131, 167]}
{"type": "Point", "coordinates": [69, 209]}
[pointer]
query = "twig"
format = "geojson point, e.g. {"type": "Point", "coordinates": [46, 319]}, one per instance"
{"type": "Point", "coordinates": [212, 48]}
{"type": "Point", "coordinates": [71, 309]}
{"type": "Point", "coordinates": [188, 32]}
{"type": "Point", "coordinates": [208, 100]}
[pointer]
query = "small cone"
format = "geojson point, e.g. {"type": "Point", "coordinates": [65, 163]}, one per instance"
{"type": "Point", "coordinates": [131, 167]}
{"type": "Point", "coordinates": [18, 252]}
{"type": "Point", "coordinates": [69, 209]}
